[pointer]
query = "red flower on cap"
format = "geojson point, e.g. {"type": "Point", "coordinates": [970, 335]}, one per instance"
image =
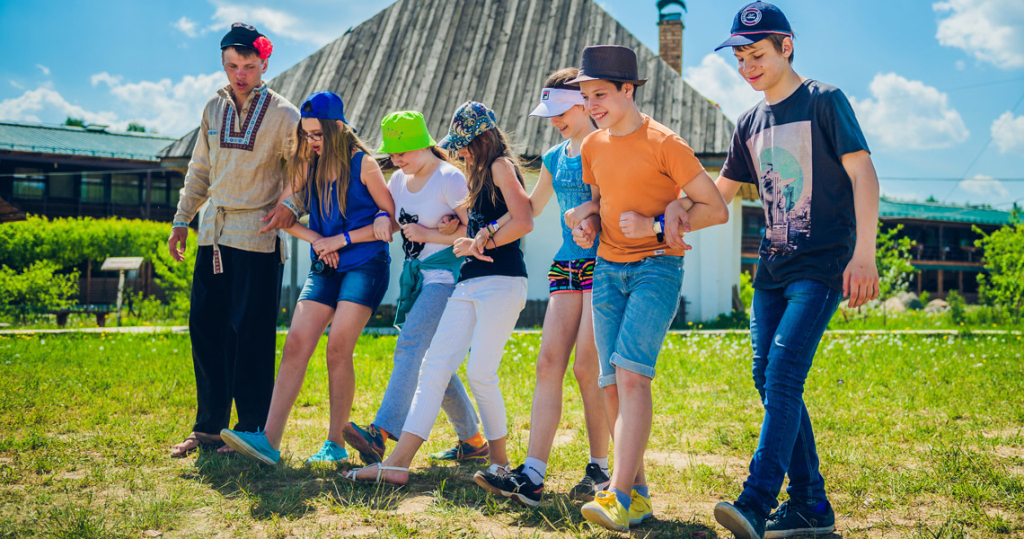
{"type": "Point", "coordinates": [263, 46]}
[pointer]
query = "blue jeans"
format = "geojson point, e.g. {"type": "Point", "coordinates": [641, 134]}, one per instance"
{"type": "Point", "coordinates": [417, 332]}
{"type": "Point", "coordinates": [786, 325]}
{"type": "Point", "coordinates": [364, 284]}
{"type": "Point", "coordinates": [634, 304]}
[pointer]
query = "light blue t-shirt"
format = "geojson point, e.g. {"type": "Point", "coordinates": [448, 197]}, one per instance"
{"type": "Point", "coordinates": [567, 180]}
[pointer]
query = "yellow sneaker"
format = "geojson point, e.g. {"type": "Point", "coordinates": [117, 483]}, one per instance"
{"type": "Point", "coordinates": [607, 512]}
{"type": "Point", "coordinates": [640, 508]}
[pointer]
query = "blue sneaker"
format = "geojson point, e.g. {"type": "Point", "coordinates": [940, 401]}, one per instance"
{"type": "Point", "coordinates": [251, 444]}
{"type": "Point", "coordinates": [330, 452]}
{"type": "Point", "coordinates": [740, 520]}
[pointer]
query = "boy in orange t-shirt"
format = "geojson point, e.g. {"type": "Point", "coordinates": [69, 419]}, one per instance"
{"type": "Point", "coordinates": [635, 167]}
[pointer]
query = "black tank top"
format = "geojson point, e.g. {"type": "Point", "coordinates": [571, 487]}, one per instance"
{"type": "Point", "coordinates": [508, 258]}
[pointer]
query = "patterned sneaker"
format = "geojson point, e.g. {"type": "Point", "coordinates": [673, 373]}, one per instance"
{"type": "Point", "coordinates": [594, 480]}
{"type": "Point", "coordinates": [794, 518]}
{"type": "Point", "coordinates": [515, 484]}
{"type": "Point", "coordinates": [251, 444]}
{"type": "Point", "coordinates": [369, 442]}
{"type": "Point", "coordinates": [464, 452]}
{"type": "Point", "coordinates": [640, 508]}
{"type": "Point", "coordinates": [607, 512]}
{"type": "Point", "coordinates": [330, 453]}
{"type": "Point", "coordinates": [740, 520]}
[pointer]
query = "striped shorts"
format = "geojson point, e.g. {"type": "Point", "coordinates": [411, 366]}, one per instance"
{"type": "Point", "coordinates": [571, 276]}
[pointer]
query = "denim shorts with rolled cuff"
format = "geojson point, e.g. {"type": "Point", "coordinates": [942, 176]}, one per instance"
{"type": "Point", "coordinates": [634, 304]}
{"type": "Point", "coordinates": [365, 284]}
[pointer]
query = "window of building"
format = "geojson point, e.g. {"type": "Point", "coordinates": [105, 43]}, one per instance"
{"type": "Point", "coordinates": [62, 186]}
{"type": "Point", "coordinates": [92, 188]}
{"type": "Point", "coordinates": [158, 190]}
{"type": "Point", "coordinates": [29, 184]}
{"type": "Point", "coordinates": [124, 189]}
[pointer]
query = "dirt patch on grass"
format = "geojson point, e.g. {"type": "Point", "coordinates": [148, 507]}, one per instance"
{"type": "Point", "coordinates": [734, 466]}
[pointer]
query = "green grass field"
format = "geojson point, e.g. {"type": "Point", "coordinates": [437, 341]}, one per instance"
{"type": "Point", "coordinates": [919, 437]}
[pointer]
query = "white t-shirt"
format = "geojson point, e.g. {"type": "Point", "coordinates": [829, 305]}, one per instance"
{"type": "Point", "coordinates": [445, 189]}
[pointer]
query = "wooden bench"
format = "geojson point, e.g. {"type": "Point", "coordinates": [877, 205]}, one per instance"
{"type": "Point", "coordinates": [100, 310]}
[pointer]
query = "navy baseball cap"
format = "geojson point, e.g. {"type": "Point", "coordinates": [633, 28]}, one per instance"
{"type": "Point", "coordinates": [324, 106]}
{"type": "Point", "coordinates": [755, 22]}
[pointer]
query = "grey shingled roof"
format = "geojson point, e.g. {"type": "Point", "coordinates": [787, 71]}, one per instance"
{"type": "Point", "coordinates": [433, 55]}
{"type": "Point", "coordinates": [64, 140]}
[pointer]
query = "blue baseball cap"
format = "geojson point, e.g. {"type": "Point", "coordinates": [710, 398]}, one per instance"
{"type": "Point", "coordinates": [755, 22]}
{"type": "Point", "coordinates": [324, 106]}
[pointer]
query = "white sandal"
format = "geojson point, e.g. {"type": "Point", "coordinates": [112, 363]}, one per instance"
{"type": "Point", "coordinates": [351, 474]}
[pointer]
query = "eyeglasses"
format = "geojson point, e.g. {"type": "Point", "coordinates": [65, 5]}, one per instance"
{"type": "Point", "coordinates": [315, 137]}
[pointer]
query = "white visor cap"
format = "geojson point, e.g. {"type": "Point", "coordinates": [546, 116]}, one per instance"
{"type": "Point", "coordinates": [556, 101]}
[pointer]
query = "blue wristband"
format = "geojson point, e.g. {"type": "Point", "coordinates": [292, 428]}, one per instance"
{"type": "Point", "coordinates": [382, 212]}
{"type": "Point", "coordinates": [348, 239]}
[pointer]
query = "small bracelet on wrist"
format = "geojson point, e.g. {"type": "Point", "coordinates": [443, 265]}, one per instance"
{"type": "Point", "coordinates": [382, 213]}
{"type": "Point", "coordinates": [659, 228]}
{"type": "Point", "coordinates": [348, 239]}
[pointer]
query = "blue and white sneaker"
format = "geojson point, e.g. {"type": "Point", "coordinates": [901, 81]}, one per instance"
{"type": "Point", "coordinates": [330, 452]}
{"type": "Point", "coordinates": [251, 444]}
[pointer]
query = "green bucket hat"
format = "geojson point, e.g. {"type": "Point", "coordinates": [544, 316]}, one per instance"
{"type": "Point", "coordinates": [404, 131]}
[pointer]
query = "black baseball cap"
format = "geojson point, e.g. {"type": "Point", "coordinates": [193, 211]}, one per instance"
{"type": "Point", "coordinates": [245, 35]}
{"type": "Point", "coordinates": [755, 22]}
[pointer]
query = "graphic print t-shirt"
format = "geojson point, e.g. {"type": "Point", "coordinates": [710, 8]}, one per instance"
{"type": "Point", "coordinates": [445, 189]}
{"type": "Point", "coordinates": [793, 152]}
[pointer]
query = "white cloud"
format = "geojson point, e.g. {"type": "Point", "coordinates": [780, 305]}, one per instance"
{"type": "Point", "coordinates": [715, 79]}
{"type": "Point", "coordinates": [47, 105]}
{"type": "Point", "coordinates": [909, 115]}
{"type": "Point", "coordinates": [961, 65]}
{"type": "Point", "coordinates": [15, 84]}
{"type": "Point", "coordinates": [44, 69]}
{"type": "Point", "coordinates": [990, 30]}
{"type": "Point", "coordinates": [1008, 133]}
{"type": "Point", "coordinates": [276, 21]}
{"type": "Point", "coordinates": [171, 108]}
{"type": "Point", "coordinates": [105, 77]}
{"type": "Point", "coordinates": [984, 186]}
{"type": "Point", "coordinates": [187, 26]}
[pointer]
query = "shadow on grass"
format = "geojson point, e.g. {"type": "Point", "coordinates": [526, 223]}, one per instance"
{"type": "Point", "coordinates": [292, 492]}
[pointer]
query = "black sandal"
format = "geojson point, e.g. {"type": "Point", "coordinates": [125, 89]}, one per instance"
{"type": "Point", "coordinates": [204, 442]}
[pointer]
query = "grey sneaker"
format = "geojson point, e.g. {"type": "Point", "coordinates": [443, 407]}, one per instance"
{"type": "Point", "coordinates": [794, 518]}
{"type": "Point", "coordinates": [740, 520]}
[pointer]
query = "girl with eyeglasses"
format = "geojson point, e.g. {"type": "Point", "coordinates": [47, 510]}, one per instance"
{"type": "Point", "coordinates": [341, 187]}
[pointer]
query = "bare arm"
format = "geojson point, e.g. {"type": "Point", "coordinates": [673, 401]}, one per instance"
{"type": "Point", "coordinates": [860, 279]}
{"type": "Point", "coordinates": [422, 234]}
{"type": "Point", "coordinates": [678, 220]}
{"type": "Point", "coordinates": [518, 207]}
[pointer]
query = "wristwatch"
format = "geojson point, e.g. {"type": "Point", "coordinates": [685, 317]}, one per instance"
{"type": "Point", "coordinates": [659, 228]}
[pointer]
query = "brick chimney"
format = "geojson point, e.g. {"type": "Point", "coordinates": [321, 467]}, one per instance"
{"type": "Point", "coordinates": [670, 34]}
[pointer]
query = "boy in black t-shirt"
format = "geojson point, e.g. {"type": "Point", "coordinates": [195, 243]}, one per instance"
{"type": "Point", "coordinates": [803, 148]}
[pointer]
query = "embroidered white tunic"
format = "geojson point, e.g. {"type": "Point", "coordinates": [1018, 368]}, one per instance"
{"type": "Point", "coordinates": [238, 165]}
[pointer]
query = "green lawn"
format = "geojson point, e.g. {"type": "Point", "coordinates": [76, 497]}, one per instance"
{"type": "Point", "coordinates": [919, 437]}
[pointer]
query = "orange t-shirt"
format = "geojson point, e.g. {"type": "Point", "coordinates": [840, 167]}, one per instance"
{"type": "Point", "coordinates": [642, 172]}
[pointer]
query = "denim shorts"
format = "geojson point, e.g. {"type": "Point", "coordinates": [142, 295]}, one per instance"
{"type": "Point", "coordinates": [634, 304]}
{"type": "Point", "coordinates": [364, 284]}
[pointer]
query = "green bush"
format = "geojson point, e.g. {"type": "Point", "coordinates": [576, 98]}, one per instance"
{"type": "Point", "coordinates": [957, 307]}
{"type": "Point", "coordinates": [67, 243]}
{"type": "Point", "coordinates": [37, 289]}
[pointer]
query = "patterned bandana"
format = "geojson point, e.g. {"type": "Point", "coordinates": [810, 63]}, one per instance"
{"type": "Point", "coordinates": [470, 119]}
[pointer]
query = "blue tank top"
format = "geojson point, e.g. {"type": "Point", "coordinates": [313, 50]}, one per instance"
{"type": "Point", "coordinates": [359, 212]}
{"type": "Point", "coordinates": [567, 181]}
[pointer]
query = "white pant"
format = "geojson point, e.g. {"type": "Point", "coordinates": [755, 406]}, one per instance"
{"type": "Point", "coordinates": [479, 318]}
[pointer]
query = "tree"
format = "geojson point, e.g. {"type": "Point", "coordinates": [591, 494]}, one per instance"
{"type": "Point", "coordinates": [135, 127]}
{"type": "Point", "coordinates": [892, 256]}
{"type": "Point", "coordinates": [1004, 260]}
{"type": "Point", "coordinates": [74, 122]}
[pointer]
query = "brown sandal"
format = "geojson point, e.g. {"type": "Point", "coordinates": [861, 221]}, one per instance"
{"type": "Point", "coordinates": [203, 441]}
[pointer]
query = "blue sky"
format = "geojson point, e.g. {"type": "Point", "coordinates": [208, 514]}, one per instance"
{"type": "Point", "coordinates": [937, 86]}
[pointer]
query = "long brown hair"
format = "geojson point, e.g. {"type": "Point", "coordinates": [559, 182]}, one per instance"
{"type": "Point", "coordinates": [331, 165]}
{"type": "Point", "coordinates": [486, 148]}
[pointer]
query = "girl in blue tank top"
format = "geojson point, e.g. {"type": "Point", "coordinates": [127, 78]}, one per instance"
{"type": "Point", "coordinates": [350, 208]}
{"type": "Point", "coordinates": [568, 322]}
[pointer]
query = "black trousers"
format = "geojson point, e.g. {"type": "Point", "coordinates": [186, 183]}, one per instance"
{"type": "Point", "coordinates": [233, 325]}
